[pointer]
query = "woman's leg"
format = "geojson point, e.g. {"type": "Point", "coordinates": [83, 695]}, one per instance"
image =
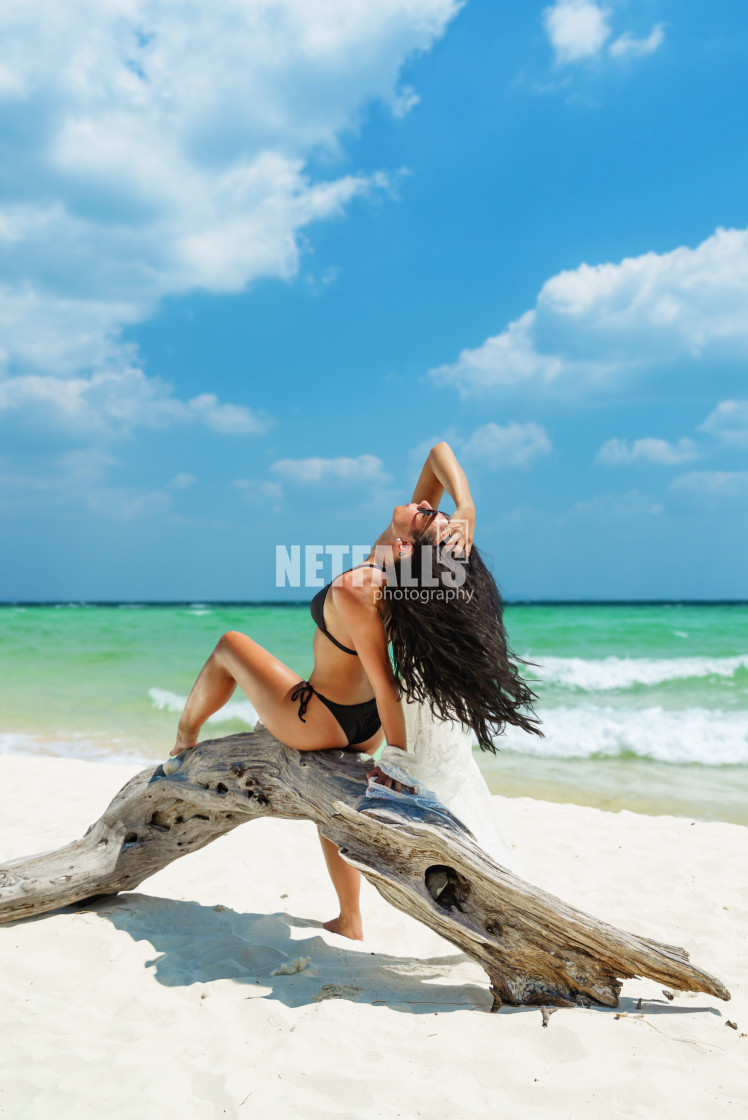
{"type": "Point", "coordinates": [268, 684]}
{"type": "Point", "coordinates": [347, 883]}
{"type": "Point", "coordinates": [346, 879]}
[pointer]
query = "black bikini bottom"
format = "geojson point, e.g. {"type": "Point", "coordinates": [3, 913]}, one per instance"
{"type": "Point", "coordinates": [358, 721]}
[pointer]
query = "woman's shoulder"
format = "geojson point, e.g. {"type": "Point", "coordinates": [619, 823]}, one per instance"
{"type": "Point", "coordinates": [362, 575]}
{"type": "Point", "coordinates": [357, 586]}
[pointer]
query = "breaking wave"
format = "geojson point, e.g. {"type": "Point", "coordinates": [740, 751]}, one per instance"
{"type": "Point", "coordinates": [240, 710]}
{"type": "Point", "coordinates": [611, 673]}
{"type": "Point", "coordinates": [692, 735]}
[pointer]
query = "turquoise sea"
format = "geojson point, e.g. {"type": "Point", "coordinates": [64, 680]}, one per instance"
{"type": "Point", "coordinates": [645, 706]}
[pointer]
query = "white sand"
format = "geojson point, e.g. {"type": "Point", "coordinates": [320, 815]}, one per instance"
{"type": "Point", "coordinates": [162, 1002]}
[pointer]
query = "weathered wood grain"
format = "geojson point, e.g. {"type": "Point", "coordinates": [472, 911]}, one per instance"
{"type": "Point", "coordinates": [535, 948]}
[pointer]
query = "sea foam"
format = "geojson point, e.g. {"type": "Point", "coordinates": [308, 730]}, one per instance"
{"type": "Point", "coordinates": [692, 735]}
{"type": "Point", "coordinates": [610, 673]}
{"type": "Point", "coordinates": [71, 746]}
{"type": "Point", "coordinates": [240, 710]}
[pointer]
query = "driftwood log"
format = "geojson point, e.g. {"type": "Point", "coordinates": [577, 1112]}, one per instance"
{"type": "Point", "coordinates": [534, 948]}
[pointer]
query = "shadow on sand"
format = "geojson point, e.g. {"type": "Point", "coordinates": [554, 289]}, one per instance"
{"type": "Point", "coordinates": [199, 944]}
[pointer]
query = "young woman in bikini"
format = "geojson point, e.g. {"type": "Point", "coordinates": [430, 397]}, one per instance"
{"type": "Point", "coordinates": [373, 645]}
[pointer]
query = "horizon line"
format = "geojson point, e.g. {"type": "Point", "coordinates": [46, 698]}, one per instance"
{"type": "Point", "coordinates": [305, 602]}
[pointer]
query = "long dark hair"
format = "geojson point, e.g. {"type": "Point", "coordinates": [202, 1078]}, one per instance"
{"type": "Point", "coordinates": [451, 650]}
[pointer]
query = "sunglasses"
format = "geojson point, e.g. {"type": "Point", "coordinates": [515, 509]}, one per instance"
{"type": "Point", "coordinates": [431, 514]}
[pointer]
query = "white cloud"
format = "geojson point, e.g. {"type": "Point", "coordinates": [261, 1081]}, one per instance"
{"type": "Point", "coordinates": [512, 445]}
{"type": "Point", "coordinates": [727, 484]}
{"type": "Point", "coordinates": [364, 468]}
{"type": "Point", "coordinates": [113, 404]}
{"type": "Point", "coordinates": [62, 332]}
{"type": "Point", "coordinates": [228, 419]}
{"type": "Point", "coordinates": [151, 149]}
{"type": "Point", "coordinates": [729, 422]}
{"type": "Point", "coordinates": [580, 29]}
{"type": "Point", "coordinates": [597, 322]}
{"type": "Point", "coordinates": [255, 490]}
{"type": "Point", "coordinates": [577, 29]}
{"type": "Point", "coordinates": [628, 46]}
{"type": "Point", "coordinates": [618, 452]}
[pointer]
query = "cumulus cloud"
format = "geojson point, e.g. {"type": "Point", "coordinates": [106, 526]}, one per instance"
{"type": "Point", "coordinates": [628, 46]}
{"type": "Point", "coordinates": [153, 149]}
{"type": "Point", "coordinates": [113, 404]}
{"type": "Point", "coordinates": [580, 29]}
{"type": "Point", "coordinates": [620, 452]}
{"type": "Point", "coordinates": [228, 419]}
{"type": "Point", "coordinates": [598, 322]}
{"type": "Point", "coordinates": [511, 445]}
{"type": "Point", "coordinates": [726, 484]}
{"type": "Point", "coordinates": [364, 468]}
{"type": "Point", "coordinates": [577, 29]}
{"type": "Point", "coordinates": [729, 422]}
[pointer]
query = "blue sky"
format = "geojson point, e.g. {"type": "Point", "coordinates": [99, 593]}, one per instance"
{"type": "Point", "coordinates": [257, 258]}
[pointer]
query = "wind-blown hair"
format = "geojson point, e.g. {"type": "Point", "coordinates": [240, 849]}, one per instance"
{"type": "Point", "coordinates": [452, 652]}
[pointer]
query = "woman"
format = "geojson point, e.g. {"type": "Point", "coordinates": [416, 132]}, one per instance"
{"type": "Point", "coordinates": [448, 649]}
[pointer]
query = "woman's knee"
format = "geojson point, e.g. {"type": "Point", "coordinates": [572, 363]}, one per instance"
{"type": "Point", "coordinates": [228, 644]}
{"type": "Point", "coordinates": [230, 639]}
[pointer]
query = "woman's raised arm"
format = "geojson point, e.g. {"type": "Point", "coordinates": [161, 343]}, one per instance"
{"type": "Point", "coordinates": [441, 472]}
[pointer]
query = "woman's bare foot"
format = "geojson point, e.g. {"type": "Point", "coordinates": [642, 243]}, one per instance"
{"type": "Point", "coordinates": [346, 927]}
{"type": "Point", "coordinates": [185, 742]}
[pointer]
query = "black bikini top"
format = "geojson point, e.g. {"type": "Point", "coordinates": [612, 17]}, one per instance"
{"type": "Point", "coordinates": [317, 611]}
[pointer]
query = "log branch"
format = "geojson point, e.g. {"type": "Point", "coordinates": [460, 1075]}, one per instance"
{"type": "Point", "coordinates": [535, 948]}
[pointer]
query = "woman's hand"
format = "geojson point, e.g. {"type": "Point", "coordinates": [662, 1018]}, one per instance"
{"type": "Point", "coordinates": [461, 529]}
{"type": "Point", "coordinates": [382, 779]}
